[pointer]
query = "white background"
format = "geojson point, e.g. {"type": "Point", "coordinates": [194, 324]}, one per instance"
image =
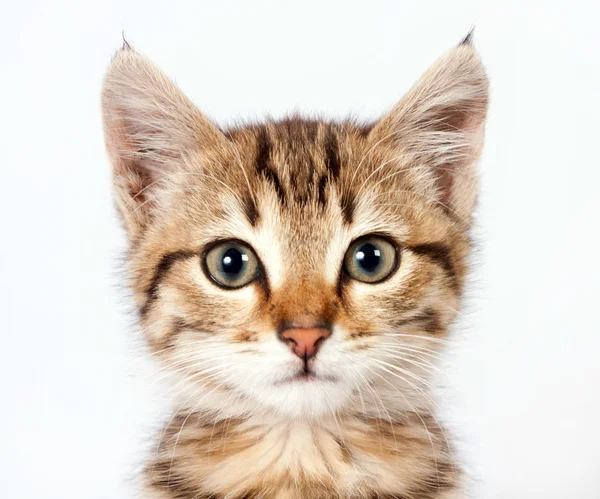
{"type": "Point", "coordinates": [76, 410]}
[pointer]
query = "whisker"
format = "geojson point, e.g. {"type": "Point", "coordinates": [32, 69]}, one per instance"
{"type": "Point", "coordinates": [415, 349]}
{"type": "Point", "coordinates": [402, 170]}
{"type": "Point", "coordinates": [421, 337]}
{"type": "Point", "coordinates": [240, 164]}
{"type": "Point", "coordinates": [425, 366]}
{"type": "Point", "coordinates": [416, 413]}
{"type": "Point", "coordinates": [191, 411]}
{"type": "Point", "coordinates": [193, 395]}
{"type": "Point", "coordinates": [377, 399]}
{"type": "Point", "coordinates": [403, 371]}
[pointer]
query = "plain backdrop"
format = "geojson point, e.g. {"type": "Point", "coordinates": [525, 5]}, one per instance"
{"type": "Point", "coordinates": [524, 396]}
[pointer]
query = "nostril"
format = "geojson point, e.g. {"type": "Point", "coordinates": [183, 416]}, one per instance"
{"type": "Point", "coordinates": [289, 341]}
{"type": "Point", "coordinates": [318, 342]}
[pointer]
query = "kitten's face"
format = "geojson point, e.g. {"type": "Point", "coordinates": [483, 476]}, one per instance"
{"type": "Point", "coordinates": [298, 268]}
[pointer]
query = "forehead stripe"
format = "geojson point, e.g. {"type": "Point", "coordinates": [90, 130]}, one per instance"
{"type": "Point", "coordinates": [251, 211]}
{"type": "Point", "coordinates": [332, 155]}
{"type": "Point", "coordinates": [347, 206]}
{"type": "Point", "coordinates": [263, 160]}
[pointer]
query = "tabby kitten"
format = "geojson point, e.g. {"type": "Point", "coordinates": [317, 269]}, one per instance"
{"type": "Point", "coordinates": [296, 280]}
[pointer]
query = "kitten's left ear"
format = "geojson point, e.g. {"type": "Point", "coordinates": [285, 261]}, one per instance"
{"type": "Point", "coordinates": [439, 126]}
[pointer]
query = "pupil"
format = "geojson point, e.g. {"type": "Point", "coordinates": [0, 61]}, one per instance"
{"type": "Point", "coordinates": [368, 257]}
{"type": "Point", "coordinates": [232, 261]}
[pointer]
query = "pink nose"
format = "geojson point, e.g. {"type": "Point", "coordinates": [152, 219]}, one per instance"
{"type": "Point", "coordinates": [304, 342]}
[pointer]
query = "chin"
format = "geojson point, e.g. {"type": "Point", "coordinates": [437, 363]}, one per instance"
{"type": "Point", "coordinates": [306, 396]}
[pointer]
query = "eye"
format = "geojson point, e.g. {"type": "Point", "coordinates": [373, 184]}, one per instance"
{"type": "Point", "coordinates": [231, 264]}
{"type": "Point", "coordinates": [371, 259]}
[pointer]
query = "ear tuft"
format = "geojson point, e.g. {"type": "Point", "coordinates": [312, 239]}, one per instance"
{"type": "Point", "coordinates": [126, 45]}
{"type": "Point", "coordinates": [468, 40]}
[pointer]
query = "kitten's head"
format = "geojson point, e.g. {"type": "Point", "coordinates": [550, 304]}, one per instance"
{"type": "Point", "coordinates": [297, 267]}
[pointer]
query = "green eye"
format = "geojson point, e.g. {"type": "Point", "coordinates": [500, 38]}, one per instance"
{"type": "Point", "coordinates": [231, 264]}
{"type": "Point", "coordinates": [371, 259]}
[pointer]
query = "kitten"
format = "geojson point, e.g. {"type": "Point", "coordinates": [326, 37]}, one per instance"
{"type": "Point", "coordinates": [296, 280]}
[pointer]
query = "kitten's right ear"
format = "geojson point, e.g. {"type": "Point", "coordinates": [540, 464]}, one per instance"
{"type": "Point", "coordinates": [150, 128]}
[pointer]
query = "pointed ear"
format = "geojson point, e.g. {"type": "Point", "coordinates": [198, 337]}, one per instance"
{"type": "Point", "coordinates": [150, 129]}
{"type": "Point", "coordinates": [439, 125]}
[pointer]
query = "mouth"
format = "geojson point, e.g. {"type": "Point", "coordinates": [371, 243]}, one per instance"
{"type": "Point", "coordinates": [307, 376]}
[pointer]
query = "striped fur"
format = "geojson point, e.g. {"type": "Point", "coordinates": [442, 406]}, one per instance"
{"type": "Point", "coordinates": [298, 192]}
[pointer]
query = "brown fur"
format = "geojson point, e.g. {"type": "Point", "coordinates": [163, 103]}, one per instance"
{"type": "Point", "coordinates": [298, 192]}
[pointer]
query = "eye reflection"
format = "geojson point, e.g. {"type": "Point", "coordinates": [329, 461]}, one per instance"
{"type": "Point", "coordinates": [368, 257]}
